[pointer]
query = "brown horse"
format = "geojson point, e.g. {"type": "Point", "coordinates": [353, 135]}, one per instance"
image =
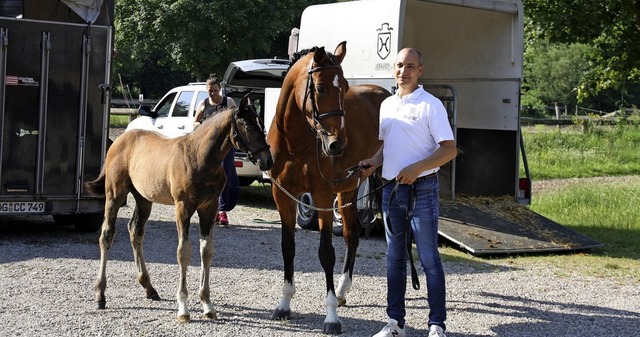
{"type": "Point", "coordinates": [322, 127]}
{"type": "Point", "coordinates": [185, 172]}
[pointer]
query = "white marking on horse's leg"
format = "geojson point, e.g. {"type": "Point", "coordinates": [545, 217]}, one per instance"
{"type": "Point", "coordinates": [184, 256]}
{"type": "Point", "coordinates": [332, 323]}
{"type": "Point", "coordinates": [344, 287]}
{"type": "Point", "coordinates": [206, 252]}
{"type": "Point", "coordinates": [183, 309]}
{"type": "Point", "coordinates": [288, 290]}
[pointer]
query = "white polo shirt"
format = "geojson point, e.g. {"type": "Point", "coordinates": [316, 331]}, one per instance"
{"type": "Point", "coordinates": [411, 128]}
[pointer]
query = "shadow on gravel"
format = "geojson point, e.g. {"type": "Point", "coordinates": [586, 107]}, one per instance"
{"type": "Point", "coordinates": [257, 195]}
{"type": "Point", "coordinates": [549, 318]}
{"type": "Point", "coordinates": [252, 246]}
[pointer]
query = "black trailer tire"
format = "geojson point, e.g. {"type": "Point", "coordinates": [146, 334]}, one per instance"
{"type": "Point", "coordinates": [88, 223]}
{"type": "Point", "coordinates": [64, 219]}
{"type": "Point", "coordinates": [306, 217]}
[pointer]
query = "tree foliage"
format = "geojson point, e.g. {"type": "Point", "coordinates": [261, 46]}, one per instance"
{"type": "Point", "coordinates": [611, 30]}
{"type": "Point", "coordinates": [192, 38]}
{"type": "Point", "coordinates": [552, 73]}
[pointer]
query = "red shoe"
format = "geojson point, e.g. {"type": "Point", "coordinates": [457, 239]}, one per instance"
{"type": "Point", "coordinates": [222, 218]}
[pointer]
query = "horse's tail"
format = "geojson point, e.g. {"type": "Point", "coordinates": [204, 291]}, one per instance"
{"type": "Point", "coordinates": [97, 186]}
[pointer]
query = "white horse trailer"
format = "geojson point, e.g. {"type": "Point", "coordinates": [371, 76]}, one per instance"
{"type": "Point", "coordinates": [473, 53]}
{"type": "Point", "coordinates": [55, 69]}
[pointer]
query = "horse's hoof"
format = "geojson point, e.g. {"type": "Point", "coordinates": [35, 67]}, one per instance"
{"type": "Point", "coordinates": [154, 297]}
{"type": "Point", "coordinates": [102, 305]}
{"type": "Point", "coordinates": [280, 314]}
{"type": "Point", "coordinates": [333, 328]}
{"type": "Point", "coordinates": [210, 315]}
{"type": "Point", "coordinates": [184, 318]}
{"type": "Point", "coordinates": [342, 301]}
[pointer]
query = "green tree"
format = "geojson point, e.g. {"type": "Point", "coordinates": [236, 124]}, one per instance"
{"type": "Point", "coordinates": [198, 37]}
{"type": "Point", "coordinates": [611, 28]}
{"type": "Point", "coordinates": [552, 72]}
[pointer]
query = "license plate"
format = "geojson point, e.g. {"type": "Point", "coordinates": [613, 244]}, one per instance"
{"type": "Point", "coordinates": [22, 207]}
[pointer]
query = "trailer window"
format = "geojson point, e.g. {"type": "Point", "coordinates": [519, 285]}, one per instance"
{"type": "Point", "coordinates": [11, 8]}
{"type": "Point", "coordinates": [182, 105]}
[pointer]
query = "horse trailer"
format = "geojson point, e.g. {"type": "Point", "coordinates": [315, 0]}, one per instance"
{"type": "Point", "coordinates": [55, 64]}
{"type": "Point", "coordinates": [473, 58]}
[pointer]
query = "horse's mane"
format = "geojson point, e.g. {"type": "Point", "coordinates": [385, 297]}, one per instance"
{"type": "Point", "coordinates": [298, 55]}
{"type": "Point", "coordinates": [214, 117]}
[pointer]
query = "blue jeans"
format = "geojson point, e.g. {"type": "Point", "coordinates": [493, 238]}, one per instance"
{"type": "Point", "coordinates": [413, 207]}
{"type": "Point", "coordinates": [231, 192]}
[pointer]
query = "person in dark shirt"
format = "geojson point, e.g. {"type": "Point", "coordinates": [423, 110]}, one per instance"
{"type": "Point", "coordinates": [207, 108]}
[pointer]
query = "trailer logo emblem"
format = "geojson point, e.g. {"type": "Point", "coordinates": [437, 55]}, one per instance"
{"type": "Point", "coordinates": [384, 40]}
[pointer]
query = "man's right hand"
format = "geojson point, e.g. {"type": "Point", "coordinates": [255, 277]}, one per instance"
{"type": "Point", "coordinates": [366, 168]}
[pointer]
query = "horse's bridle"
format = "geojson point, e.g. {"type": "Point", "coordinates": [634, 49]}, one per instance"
{"type": "Point", "coordinates": [309, 93]}
{"type": "Point", "coordinates": [241, 143]}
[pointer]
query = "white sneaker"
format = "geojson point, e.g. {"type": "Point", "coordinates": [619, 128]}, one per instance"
{"type": "Point", "coordinates": [391, 330]}
{"type": "Point", "coordinates": [436, 331]}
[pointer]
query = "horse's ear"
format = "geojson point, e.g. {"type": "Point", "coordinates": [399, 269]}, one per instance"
{"type": "Point", "coordinates": [244, 102]}
{"type": "Point", "coordinates": [320, 56]}
{"type": "Point", "coordinates": [340, 52]}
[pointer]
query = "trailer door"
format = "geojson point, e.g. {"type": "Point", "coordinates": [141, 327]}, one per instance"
{"type": "Point", "coordinates": [52, 111]}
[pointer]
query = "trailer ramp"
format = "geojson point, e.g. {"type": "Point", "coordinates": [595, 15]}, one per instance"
{"type": "Point", "coordinates": [486, 226]}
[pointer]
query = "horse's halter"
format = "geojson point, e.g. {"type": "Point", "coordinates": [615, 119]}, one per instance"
{"type": "Point", "coordinates": [241, 143]}
{"type": "Point", "coordinates": [309, 93]}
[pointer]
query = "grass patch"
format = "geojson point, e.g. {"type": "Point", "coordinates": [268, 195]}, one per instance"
{"type": "Point", "coordinates": [606, 212]}
{"type": "Point", "coordinates": [573, 153]}
{"type": "Point", "coordinates": [604, 209]}
{"type": "Point", "coordinates": [118, 121]}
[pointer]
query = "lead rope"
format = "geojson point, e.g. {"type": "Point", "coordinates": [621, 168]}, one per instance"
{"type": "Point", "coordinates": [292, 197]}
{"type": "Point", "coordinates": [411, 204]}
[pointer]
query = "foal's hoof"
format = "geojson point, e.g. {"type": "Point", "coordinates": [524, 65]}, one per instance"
{"type": "Point", "coordinates": [279, 314]}
{"type": "Point", "coordinates": [102, 305]}
{"type": "Point", "coordinates": [333, 328]}
{"type": "Point", "coordinates": [210, 315]}
{"type": "Point", "coordinates": [154, 297]}
{"type": "Point", "coordinates": [183, 318]}
{"type": "Point", "coordinates": [342, 301]}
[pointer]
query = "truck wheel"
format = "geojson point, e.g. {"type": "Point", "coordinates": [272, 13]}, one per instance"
{"type": "Point", "coordinates": [337, 219]}
{"type": "Point", "coordinates": [88, 223]}
{"type": "Point", "coordinates": [306, 217]}
{"type": "Point", "coordinates": [245, 181]}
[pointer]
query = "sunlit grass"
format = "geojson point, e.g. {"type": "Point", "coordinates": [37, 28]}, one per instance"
{"type": "Point", "coordinates": [573, 153]}
{"type": "Point", "coordinates": [118, 121]}
{"type": "Point", "coordinates": [606, 211]}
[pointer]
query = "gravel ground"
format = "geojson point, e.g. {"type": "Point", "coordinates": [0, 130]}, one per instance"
{"type": "Point", "coordinates": [47, 274]}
